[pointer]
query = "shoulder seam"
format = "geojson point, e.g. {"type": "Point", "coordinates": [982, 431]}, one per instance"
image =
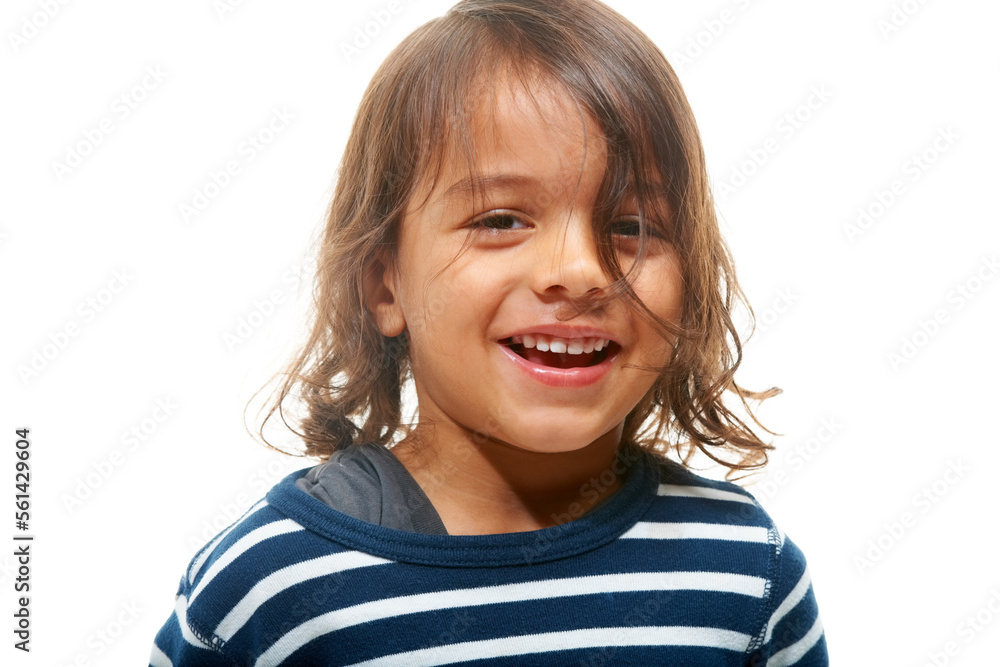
{"type": "Point", "coordinates": [212, 642]}
{"type": "Point", "coordinates": [768, 602]}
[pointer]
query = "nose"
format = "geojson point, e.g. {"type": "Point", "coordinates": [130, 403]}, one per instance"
{"type": "Point", "coordinates": [566, 260]}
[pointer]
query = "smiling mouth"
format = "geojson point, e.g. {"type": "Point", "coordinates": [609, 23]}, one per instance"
{"type": "Point", "coordinates": [562, 359]}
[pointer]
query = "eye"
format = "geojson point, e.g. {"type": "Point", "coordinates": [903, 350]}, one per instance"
{"type": "Point", "coordinates": [499, 221]}
{"type": "Point", "coordinates": [626, 226]}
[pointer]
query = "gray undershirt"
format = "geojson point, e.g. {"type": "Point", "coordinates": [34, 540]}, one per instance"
{"type": "Point", "coordinates": [368, 482]}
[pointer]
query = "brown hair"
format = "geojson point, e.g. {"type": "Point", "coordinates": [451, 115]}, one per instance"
{"type": "Point", "coordinates": [348, 376]}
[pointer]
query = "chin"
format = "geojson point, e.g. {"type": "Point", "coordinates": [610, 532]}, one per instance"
{"type": "Point", "coordinates": [554, 441]}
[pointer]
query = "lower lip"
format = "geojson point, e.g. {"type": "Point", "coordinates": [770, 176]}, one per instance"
{"type": "Point", "coordinates": [560, 377]}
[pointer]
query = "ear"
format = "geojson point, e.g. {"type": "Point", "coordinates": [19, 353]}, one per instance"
{"type": "Point", "coordinates": [381, 294]}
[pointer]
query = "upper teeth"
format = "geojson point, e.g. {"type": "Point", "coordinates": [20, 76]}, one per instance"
{"type": "Point", "coordinates": [545, 343]}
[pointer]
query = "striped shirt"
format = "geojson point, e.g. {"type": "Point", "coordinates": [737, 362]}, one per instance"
{"type": "Point", "coordinates": [674, 569]}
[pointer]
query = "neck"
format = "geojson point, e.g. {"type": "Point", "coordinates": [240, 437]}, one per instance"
{"type": "Point", "coordinates": [481, 486]}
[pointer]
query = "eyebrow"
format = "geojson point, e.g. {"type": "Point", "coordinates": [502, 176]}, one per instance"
{"type": "Point", "coordinates": [470, 184]}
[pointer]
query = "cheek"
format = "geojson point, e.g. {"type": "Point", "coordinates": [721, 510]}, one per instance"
{"type": "Point", "coordinates": [446, 307]}
{"type": "Point", "coordinates": [661, 287]}
{"type": "Point", "coordinates": [426, 294]}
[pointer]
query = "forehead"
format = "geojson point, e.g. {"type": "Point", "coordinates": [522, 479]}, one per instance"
{"type": "Point", "coordinates": [518, 126]}
{"type": "Point", "coordinates": [512, 107]}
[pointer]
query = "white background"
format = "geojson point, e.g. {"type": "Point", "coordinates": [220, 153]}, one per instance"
{"type": "Point", "coordinates": [836, 305]}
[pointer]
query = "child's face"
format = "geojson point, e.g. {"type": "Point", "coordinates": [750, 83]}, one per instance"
{"type": "Point", "coordinates": [468, 315]}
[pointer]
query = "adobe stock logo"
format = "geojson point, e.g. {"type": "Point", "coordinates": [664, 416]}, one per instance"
{"type": "Point", "coordinates": [913, 169]}
{"type": "Point", "coordinates": [786, 126]}
{"type": "Point", "coordinates": [265, 307]}
{"type": "Point", "coordinates": [77, 152]}
{"type": "Point", "coordinates": [33, 24]}
{"type": "Point", "coordinates": [105, 467]}
{"type": "Point", "coordinates": [59, 340]}
{"type": "Point", "coordinates": [711, 31]}
{"type": "Point", "coordinates": [249, 149]}
{"type": "Point", "coordinates": [363, 36]}
{"type": "Point", "coordinates": [899, 16]}
{"type": "Point", "coordinates": [924, 500]}
{"type": "Point", "coordinates": [780, 305]}
{"type": "Point", "coordinates": [957, 298]}
{"type": "Point", "coordinates": [225, 7]}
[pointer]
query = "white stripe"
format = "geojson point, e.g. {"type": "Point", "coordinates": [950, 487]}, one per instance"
{"type": "Point", "coordinates": [159, 659]}
{"type": "Point", "coordinates": [200, 561]}
{"type": "Point", "coordinates": [566, 641]}
{"type": "Point", "coordinates": [531, 590]}
{"type": "Point", "coordinates": [792, 654]}
{"type": "Point", "coordinates": [649, 530]}
{"type": "Point", "coordinates": [180, 608]}
{"type": "Point", "coordinates": [248, 541]}
{"type": "Point", "coordinates": [792, 599]}
{"type": "Point", "coordinates": [702, 492]}
{"type": "Point", "coordinates": [285, 578]}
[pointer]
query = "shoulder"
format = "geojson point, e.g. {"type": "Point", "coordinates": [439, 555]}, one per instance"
{"type": "Point", "coordinates": [265, 553]}
{"type": "Point", "coordinates": [724, 522]}
{"type": "Point", "coordinates": [685, 497]}
{"type": "Point", "coordinates": [231, 563]}
{"type": "Point", "coordinates": [256, 529]}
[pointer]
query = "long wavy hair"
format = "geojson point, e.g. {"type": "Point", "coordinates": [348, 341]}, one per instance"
{"type": "Point", "coordinates": [345, 384]}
